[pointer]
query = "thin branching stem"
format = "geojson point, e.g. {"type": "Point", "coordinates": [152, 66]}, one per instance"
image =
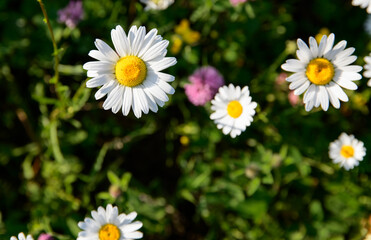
{"type": "Point", "coordinates": [55, 47]}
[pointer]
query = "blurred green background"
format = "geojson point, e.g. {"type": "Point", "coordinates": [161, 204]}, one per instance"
{"type": "Point", "coordinates": [62, 155]}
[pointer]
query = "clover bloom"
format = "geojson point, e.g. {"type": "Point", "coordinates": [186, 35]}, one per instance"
{"type": "Point", "coordinates": [236, 2]}
{"type": "Point", "coordinates": [205, 83]}
{"type": "Point", "coordinates": [72, 14]}
{"type": "Point", "coordinates": [45, 236]}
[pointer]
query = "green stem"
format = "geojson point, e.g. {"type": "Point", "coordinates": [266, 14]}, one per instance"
{"type": "Point", "coordinates": [55, 53]}
{"type": "Point", "coordinates": [99, 161]}
{"type": "Point", "coordinates": [55, 142]}
{"type": "Point", "coordinates": [256, 82]}
{"type": "Point", "coordinates": [323, 167]}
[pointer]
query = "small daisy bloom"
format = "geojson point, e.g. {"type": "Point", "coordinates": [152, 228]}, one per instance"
{"type": "Point", "coordinates": [347, 151]}
{"type": "Point", "coordinates": [21, 236]}
{"type": "Point", "coordinates": [368, 236]}
{"type": "Point", "coordinates": [107, 224]}
{"type": "Point", "coordinates": [233, 109]}
{"type": "Point", "coordinates": [367, 67]}
{"type": "Point", "coordinates": [131, 76]}
{"type": "Point", "coordinates": [363, 4]}
{"type": "Point", "coordinates": [367, 25]}
{"type": "Point", "coordinates": [321, 71]}
{"type": "Point", "coordinates": [157, 4]}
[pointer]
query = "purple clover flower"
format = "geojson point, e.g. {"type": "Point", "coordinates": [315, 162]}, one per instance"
{"type": "Point", "coordinates": [71, 14]}
{"type": "Point", "coordinates": [45, 236]}
{"type": "Point", "coordinates": [236, 2]}
{"type": "Point", "coordinates": [205, 83]}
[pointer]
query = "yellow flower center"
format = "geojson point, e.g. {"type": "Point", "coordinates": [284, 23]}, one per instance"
{"type": "Point", "coordinates": [109, 232]}
{"type": "Point", "coordinates": [234, 109]}
{"type": "Point", "coordinates": [347, 151]}
{"type": "Point", "coordinates": [320, 71]}
{"type": "Point", "coordinates": [130, 71]}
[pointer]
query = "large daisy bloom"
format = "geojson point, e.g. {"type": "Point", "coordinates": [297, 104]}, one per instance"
{"type": "Point", "coordinates": [233, 109]}
{"type": "Point", "coordinates": [321, 71]}
{"type": "Point", "coordinates": [131, 75]}
{"type": "Point", "coordinates": [363, 4]}
{"type": "Point", "coordinates": [107, 224]}
{"type": "Point", "coordinates": [21, 236]}
{"type": "Point", "coordinates": [367, 67]}
{"type": "Point", "coordinates": [157, 4]}
{"type": "Point", "coordinates": [347, 151]}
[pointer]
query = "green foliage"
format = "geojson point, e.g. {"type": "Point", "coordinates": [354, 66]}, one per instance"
{"type": "Point", "coordinates": [62, 155]}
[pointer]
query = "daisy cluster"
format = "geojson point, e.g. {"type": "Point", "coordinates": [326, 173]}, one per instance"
{"type": "Point", "coordinates": [130, 75]}
{"type": "Point", "coordinates": [105, 224]}
{"type": "Point", "coordinates": [321, 72]}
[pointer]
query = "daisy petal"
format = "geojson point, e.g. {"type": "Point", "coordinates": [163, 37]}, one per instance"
{"type": "Point", "coordinates": [313, 47]}
{"type": "Point", "coordinates": [164, 63]}
{"type": "Point", "coordinates": [127, 102]}
{"type": "Point", "coordinates": [106, 50]}
{"type": "Point", "coordinates": [133, 235]}
{"type": "Point", "coordinates": [99, 81]}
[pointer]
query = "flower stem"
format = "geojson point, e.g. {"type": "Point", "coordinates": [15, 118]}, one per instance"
{"type": "Point", "coordinates": [55, 47]}
{"type": "Point", "coordinates": [55, 141]}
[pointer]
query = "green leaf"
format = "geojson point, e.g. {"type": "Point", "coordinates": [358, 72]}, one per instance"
{"type": "Point", "coordinates": [70, 69]}
{"type": "Point", "coordinates": [253, 186]}
{"type": "Point", "coordinates": [113, 178]}
{"type": "Point", "coordinates": [186, 194]}
{"type": "Point", "coordinates": [125, 180]}
{"type": "Point", "coordinates": [72, 226]}
{"type": "Point", "coordinates": [104, 196]}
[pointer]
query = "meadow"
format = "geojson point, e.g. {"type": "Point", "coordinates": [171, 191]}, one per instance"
{"type": "Point", "coordinates": [72, 140]}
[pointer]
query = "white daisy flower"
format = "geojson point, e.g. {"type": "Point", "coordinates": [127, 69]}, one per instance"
{"type": "Point", "coordinates": [130, 76]}
{"type": "Point", "coordinates": [321, 71]}
{"type": "Point", "coordinates": [368, 236]}
{"type": "Point", "coordinates": [107, 224]}
{"type": "Point", "coordinates": [367, 67]}
{"type": "Point", "coordinates": [347, 151]}
{"type": "Point", "coordinates": [21, 236]}
{"type": "Point", "coordinates": [233, 109]}
{"type": "Point", "coordinates": [157, 4]}
{"type": "Point", "coordinates": [363, 4]}
{"type": "Point", "coordinates": [367, 25]}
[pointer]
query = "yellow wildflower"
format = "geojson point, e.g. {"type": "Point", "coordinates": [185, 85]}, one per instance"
{"type": "Point", "coordinates": [182, 27]}
{"type": "Point", "coordinates": [184, 140]}
{"type": "Point", "coordinates": [186, 33]}
{"type": "Point", "coordinates": [322, 31]}
{"type": "Point", "coordinates": [177, 43]}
